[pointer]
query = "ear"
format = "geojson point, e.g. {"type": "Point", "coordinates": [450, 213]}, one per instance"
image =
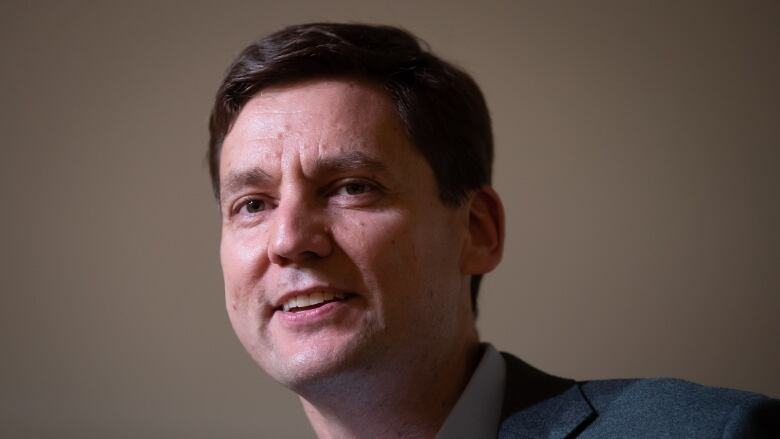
{"type": "Point", "coordinates": [485, 244]}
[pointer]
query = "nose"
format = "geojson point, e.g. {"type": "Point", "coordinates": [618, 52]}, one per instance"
{"type": "Point", "coordinates": [298, 234]}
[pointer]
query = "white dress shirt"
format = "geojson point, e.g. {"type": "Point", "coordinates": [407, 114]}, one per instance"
{"type": "Point", "coordinates": [478, 410]}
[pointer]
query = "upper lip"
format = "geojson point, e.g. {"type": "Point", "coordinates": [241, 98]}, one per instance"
{"type": "Point", "coordinates": [277, 304]}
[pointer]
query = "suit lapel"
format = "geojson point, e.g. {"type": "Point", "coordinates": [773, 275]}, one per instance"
{"type": "Point", "coordinates": [538, 405]}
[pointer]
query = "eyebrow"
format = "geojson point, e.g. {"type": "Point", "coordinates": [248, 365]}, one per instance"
{"type": "Point", "coordinates": [349, 161]}
{"type": "Point", "coordinates": [240, 179]}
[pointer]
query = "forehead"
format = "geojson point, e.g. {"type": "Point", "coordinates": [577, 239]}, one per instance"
{"type": "Point", "coordinates": [309, 120]}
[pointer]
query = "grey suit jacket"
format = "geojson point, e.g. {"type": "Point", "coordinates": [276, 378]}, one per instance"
{"type": "Point", "coordinates": [538, 405]}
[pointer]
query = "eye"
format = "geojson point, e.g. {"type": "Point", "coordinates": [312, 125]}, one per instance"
{"type": "Point", "coordinates": [356, 188]}
{"type": "Point", "coordinates": [254, 205]}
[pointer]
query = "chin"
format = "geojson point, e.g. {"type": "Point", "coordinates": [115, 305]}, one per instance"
{"type": "Point", "coordinates": [317, 365]}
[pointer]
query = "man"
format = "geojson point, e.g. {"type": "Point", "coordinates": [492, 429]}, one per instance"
{"type": "Point", "coordinates": [352, 170]}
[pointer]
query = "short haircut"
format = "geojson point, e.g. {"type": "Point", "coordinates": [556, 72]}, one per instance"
{"type": "Point", "coordinates": [441, 108]}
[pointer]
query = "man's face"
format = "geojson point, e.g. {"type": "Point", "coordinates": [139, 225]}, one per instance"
{"type": "Point", "coordinates": [337, 253]}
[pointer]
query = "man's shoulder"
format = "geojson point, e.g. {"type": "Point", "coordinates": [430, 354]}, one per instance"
{"type": "Point", "coordinates": [682, 408]}
{"type": "Point", "coordinates": [668, 394]}
{"type": "Point", "coordinates": [635, 407]}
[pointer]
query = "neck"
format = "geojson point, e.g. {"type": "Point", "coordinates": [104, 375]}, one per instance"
{"type": "Point", "coordinates": [406, 401]}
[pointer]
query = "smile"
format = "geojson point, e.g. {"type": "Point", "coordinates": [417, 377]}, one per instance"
{"type": "Point", "coordinates": [313, 300]}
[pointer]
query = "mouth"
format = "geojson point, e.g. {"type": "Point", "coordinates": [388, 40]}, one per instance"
{"type": "Point", "coordinates": [304, 302]}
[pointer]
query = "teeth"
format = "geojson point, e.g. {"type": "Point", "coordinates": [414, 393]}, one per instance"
{"type": "Point", "coordinates": [311, 299]}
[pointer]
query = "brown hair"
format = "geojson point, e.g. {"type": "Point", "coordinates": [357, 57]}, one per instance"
{"type": "Point", "coordinates": [440, 106]}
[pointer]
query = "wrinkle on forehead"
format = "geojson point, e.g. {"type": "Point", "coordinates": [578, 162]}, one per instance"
{"type": "Point", "coordinates": [264, 112]}
{"type": "Point", "coordinates": [303, 125]}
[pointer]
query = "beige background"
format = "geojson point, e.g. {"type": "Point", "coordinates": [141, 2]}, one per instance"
{"type": "Point", "coordinates": [637, 154]}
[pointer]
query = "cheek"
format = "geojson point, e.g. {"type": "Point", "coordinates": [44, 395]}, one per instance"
{"type": "Point", "coordinates": [242, 253]}
{"type": "Point", "coordinates": [385, 252]}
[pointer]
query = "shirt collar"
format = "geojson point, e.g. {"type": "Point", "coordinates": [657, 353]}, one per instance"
{"type": "Point", "coordinates": [478, 410]}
